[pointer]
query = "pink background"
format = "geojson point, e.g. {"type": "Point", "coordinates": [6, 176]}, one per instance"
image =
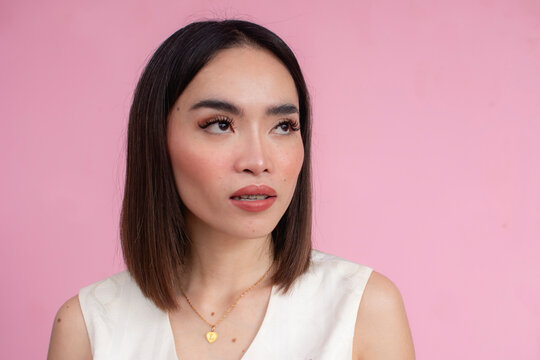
{"type": "Point", "coordinates": [426, 153]}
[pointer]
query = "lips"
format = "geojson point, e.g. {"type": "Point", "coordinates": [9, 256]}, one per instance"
{"type": "Point", "coordinates": [254, 190]}
{"type": "Point", "coordinates": [254, 198]}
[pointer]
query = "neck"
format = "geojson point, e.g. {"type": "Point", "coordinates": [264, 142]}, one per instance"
{"type": "Point", "coordinates": [221, 265]}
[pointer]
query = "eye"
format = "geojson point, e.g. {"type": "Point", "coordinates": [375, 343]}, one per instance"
{"type": "Point", "coordinates": [218, 125]}
{"type": "Point", "coordinates": [286, 127]}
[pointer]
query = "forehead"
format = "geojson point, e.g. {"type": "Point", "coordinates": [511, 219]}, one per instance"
{"type": "Point", "coordinates": [243, 75]}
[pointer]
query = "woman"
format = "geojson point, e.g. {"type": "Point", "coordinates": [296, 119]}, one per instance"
{"type": "Point", "coordinates": [216, 222]}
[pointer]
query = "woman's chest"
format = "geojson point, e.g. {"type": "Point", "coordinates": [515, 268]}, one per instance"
{"type": "Point", "coordinates": [233, 334]}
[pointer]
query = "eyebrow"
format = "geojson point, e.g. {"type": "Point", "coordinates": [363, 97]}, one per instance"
{"type": "Point", "coordinates": [217, 105]}
{"type": "Point", "coordinates": [283, 109]}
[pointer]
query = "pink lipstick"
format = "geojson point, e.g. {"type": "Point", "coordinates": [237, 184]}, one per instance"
{"type": "Point", "coordinates": [254, 198]}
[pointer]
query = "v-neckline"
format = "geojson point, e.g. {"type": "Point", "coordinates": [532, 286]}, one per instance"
{"type": "Point", "coordinates": [253, 343]}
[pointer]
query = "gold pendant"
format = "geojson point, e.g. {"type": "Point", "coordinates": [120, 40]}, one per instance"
{"type": "Point", "coordinates": [211, 336]}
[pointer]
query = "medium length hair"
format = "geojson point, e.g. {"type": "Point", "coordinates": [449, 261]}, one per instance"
{"type": "Point", "coordinates": [152, 225]}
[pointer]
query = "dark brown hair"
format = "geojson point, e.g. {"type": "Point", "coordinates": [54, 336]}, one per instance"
{"type": "Point", "coordinates": [152, 227]}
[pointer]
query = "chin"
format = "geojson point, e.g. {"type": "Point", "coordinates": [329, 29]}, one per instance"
{"type": "Point", "coordinates": [239, 227]}
{"type": "Point", "coordinates": [251, 232]}
{"type": "Point", "coordinates": [249, 229]}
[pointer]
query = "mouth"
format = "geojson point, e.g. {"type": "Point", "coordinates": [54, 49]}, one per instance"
{"type": "Point", "coordinates": [254, 198]}
{"type": "Point", "coordinates": [250, 197]}
{"type": "Point", "coordinates": [254, 193]}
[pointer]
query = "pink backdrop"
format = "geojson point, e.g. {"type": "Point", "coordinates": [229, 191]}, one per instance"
{"type": "Point", "coordinates": [426, 153]}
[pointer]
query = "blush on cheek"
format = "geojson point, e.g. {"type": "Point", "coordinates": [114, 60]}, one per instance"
{"type": "Point", "coordinates": [190, 166]}
{"type": "Point", "coordinates": [196, 169]}
{"type": "Point", "coordinates": [295, 160]}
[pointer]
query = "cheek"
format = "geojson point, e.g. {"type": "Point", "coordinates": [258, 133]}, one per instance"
{"type": "Point", "coordinates": [195, 172]}
{"type": "Point", "coordinates": [291, 162]}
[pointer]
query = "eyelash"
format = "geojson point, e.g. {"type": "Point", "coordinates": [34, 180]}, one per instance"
{"type": "Point", "coordinates": [217, 119]}
{"type": "Point", "coordinates": [293, 125]}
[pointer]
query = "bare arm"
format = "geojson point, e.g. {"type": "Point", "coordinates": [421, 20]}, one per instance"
{"type": "Point", "coordinates": [69, 338]}
{"type": "Point", "coordinates": [382, 329]}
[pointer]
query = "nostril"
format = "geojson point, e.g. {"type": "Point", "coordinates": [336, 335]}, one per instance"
{"type": "Point", "coordinates": [254, 172]}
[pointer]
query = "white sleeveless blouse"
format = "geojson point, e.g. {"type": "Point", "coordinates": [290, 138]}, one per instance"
{"type": "Point", "coordinates": [314, 320]}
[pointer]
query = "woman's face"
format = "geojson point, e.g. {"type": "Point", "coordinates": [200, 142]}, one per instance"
{"type": "Point", "coordinates": [235, 146]}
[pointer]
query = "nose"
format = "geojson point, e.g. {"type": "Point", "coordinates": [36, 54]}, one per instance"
{"type": "Point", "coordinates": [253, 155]}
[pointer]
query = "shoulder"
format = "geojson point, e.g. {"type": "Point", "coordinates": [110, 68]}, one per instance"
{"type": "Point", "coordinates": [328, 264]}
{"type": "Point", "coordinates": [381, 293]}
{"type": "Point", "coordinates": [106, 289]}
{"type": "Point", "coordinates": [382, 329]}
{"type": "Point", "coordinates": [336, 275]}
{"type": "Point", "coordinates": [69, 337]}
{"type": "Point", "coordinates": [77, 320]}
{"type": "Point", "coordinates": [104, 301]}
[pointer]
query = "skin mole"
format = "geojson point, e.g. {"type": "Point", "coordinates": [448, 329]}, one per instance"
{"type": "Point", "coordinates": [234, 340]}
{"type": "Point", "coordinates": [212, 314]}
{"type": "Point", "coordinates": [59, 320]}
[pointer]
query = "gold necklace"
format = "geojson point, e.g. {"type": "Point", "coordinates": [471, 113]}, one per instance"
{"type": "Point", "coordinates": [212, 335]}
